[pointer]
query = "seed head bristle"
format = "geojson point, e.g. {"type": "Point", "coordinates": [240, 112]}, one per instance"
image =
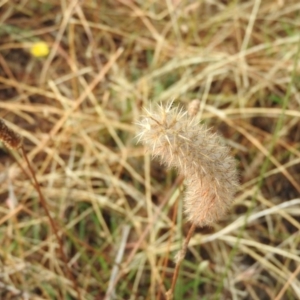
{"type": "Point", "coordinates": [9, 137]}
{"type": "Point", "coordinates": [197, 153]}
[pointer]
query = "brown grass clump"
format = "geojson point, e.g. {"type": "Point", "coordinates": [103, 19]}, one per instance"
{"type": "Point", "coordinates": [198, 154]}
{"type": "Point", "coordinates": [9, 137]}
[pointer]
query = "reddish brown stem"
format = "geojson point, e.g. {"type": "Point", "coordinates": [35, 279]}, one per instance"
{"type": "Point", "coordinates": [180, 257]}
{"type": "Point", "coordinates": [52, 223]}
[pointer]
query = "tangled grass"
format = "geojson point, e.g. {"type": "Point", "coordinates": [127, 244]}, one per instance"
{"type": "Point", "coordinates": [118, 213]}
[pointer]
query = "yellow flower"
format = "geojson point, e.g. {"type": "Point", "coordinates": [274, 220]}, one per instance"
{"type": "Point", "coordinates": [39, 49]}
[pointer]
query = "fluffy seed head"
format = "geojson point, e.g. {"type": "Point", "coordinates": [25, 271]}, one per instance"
{"type": "Point", "coordinates": [198, 154]}
{"type": "Point", "coordinates": [9, 137]}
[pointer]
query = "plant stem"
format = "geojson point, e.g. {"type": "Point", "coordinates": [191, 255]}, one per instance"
{"type": "Point", "coordinates": [52, 223]}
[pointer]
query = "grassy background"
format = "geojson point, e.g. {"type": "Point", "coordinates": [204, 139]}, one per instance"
{"type": "Point", "coordinates": [110, 201]}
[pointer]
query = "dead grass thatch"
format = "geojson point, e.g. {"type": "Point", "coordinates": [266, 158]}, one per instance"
{"type": "Point", "coordinates": [119, 213]}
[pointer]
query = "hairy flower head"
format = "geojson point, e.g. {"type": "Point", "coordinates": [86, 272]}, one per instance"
{"type": "Point", "coordinates": [197, 153]}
